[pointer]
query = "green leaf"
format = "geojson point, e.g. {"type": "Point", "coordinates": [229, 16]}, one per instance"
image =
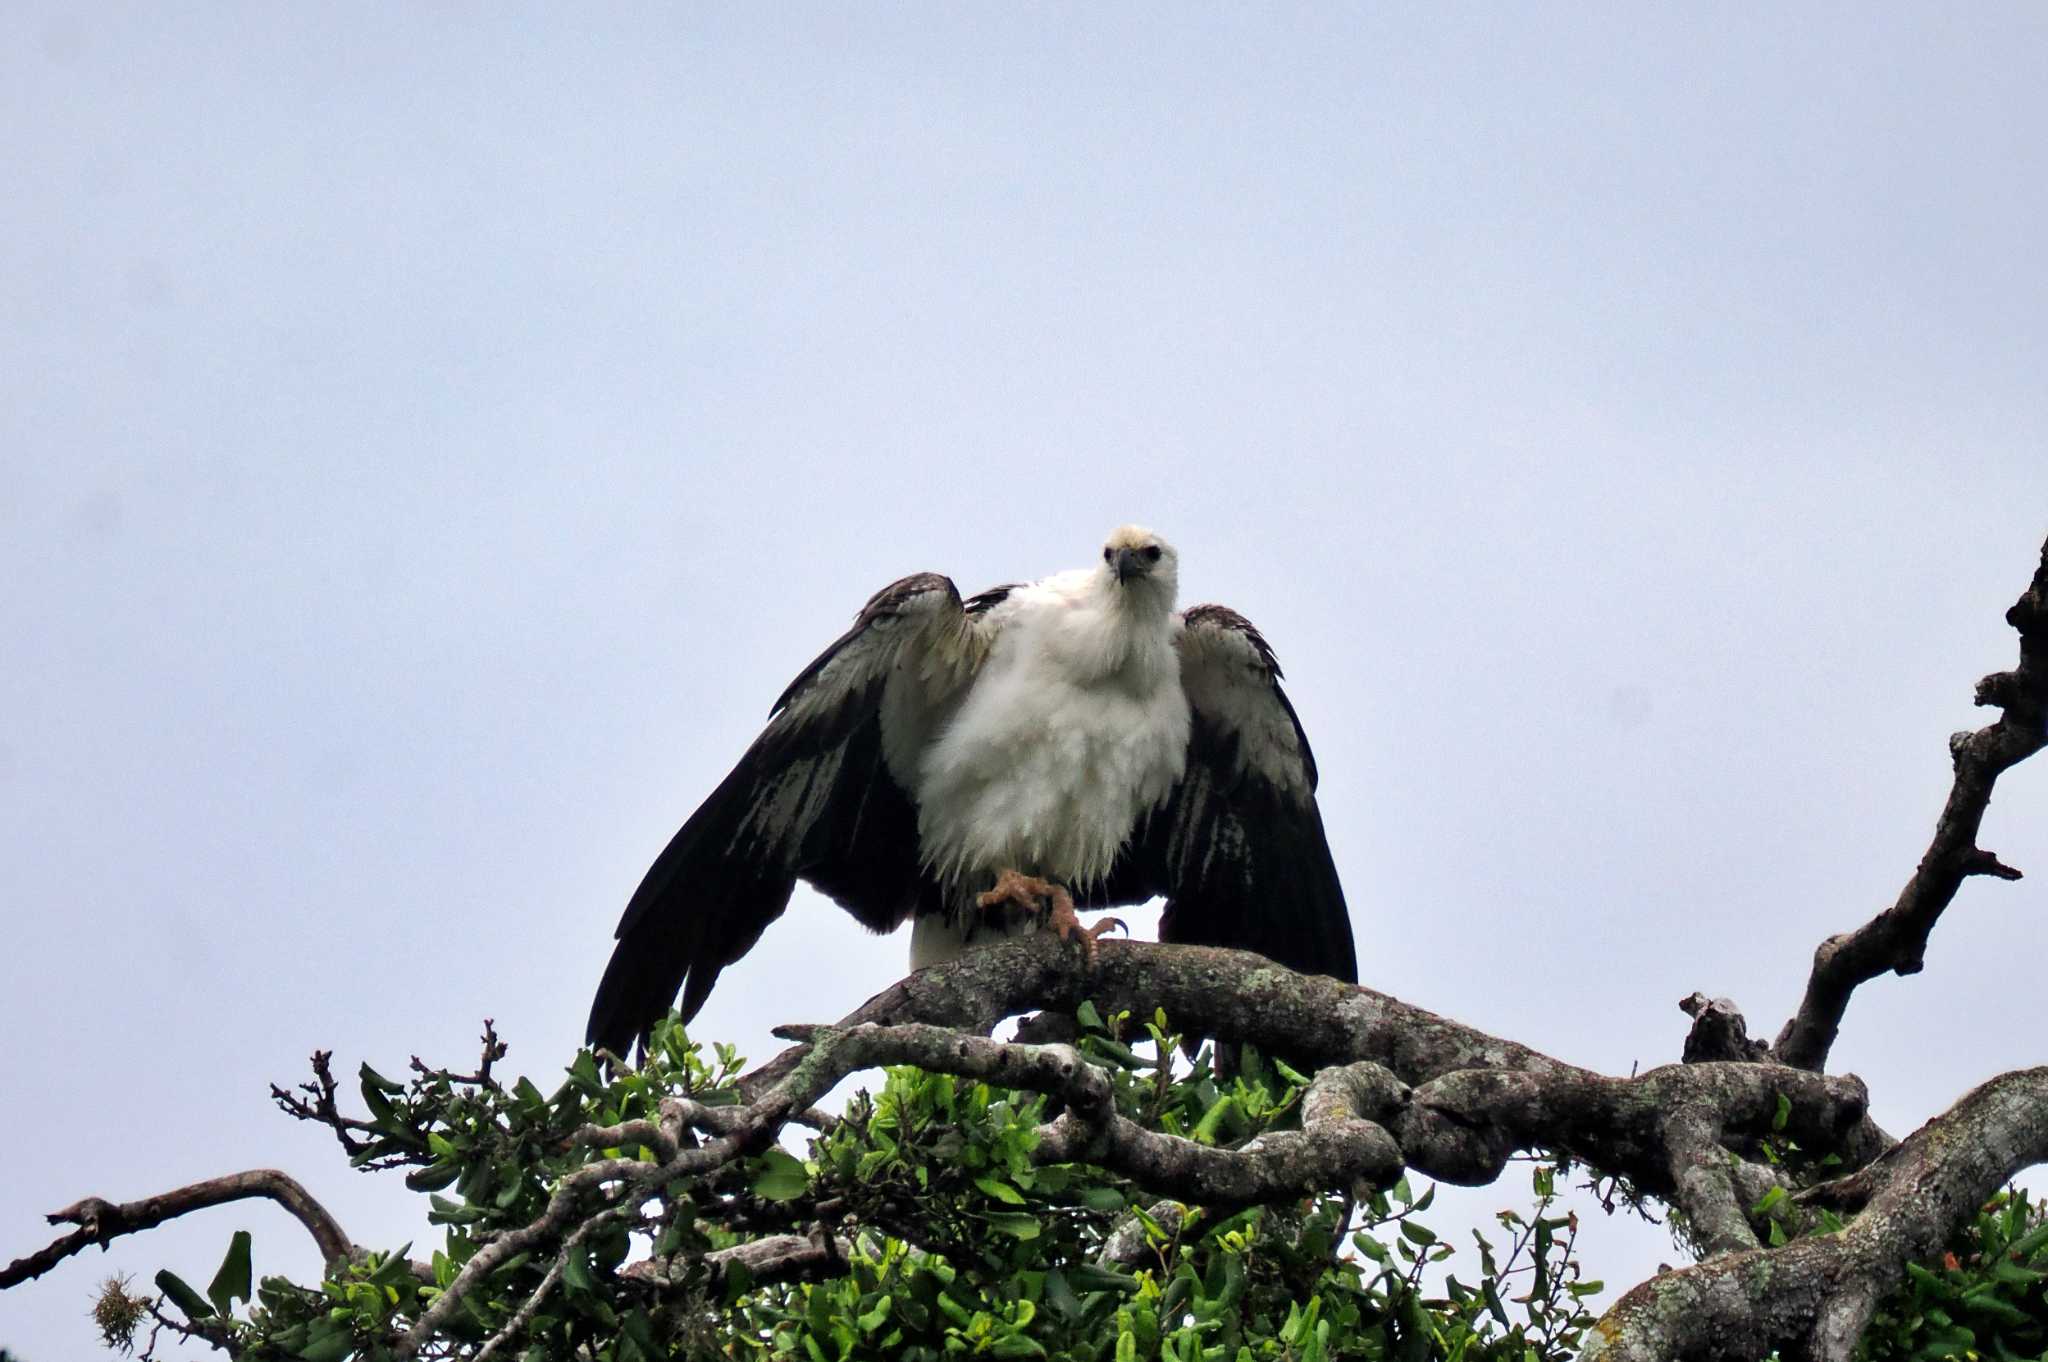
{"type": "Point", "coordinates": [2003, 1311]}
{"type": "Point", "coordinates": [782, 1177]}
{"type": "Point", "coordinates": [1783, 1115]}
{"type": "Point", "coordinates": [393, 1268]}
{"type": "Point", "coordinates": [1211, 1124]}
{"type": "Point", "coordinates": [2012, 1274]}
{"type": "Point", "coordinates": [1022, 1226]}
{"type": "Point", "coordinates": [1417, 1233]}
{"type": "Point", "coordinates": [638, 1327]}
{"type": "Point", "coordinates": [1493, 1305]}
{"type": "Point", "coordinates": [1107, 1199]}
{"type": "Point", "coordinates": [508, 1195]}
{"type": "Point", "coordinates": [2034, 1239]}
{"type": "Point", "coordinates": [1000, 1190]}
{"type": "Point", "coordinates": [1059, 1295]}
{"type": "Point", "coordinates": [371, 1078]}
{"type": "Point", "coordinates": [329, 1343]}
{"type": "Point", "coordinates": [377, 1094]}
{"type": "Point", "coordinates": [1089, 1277]}
{"type": "Point", "coordinates": [433, 1177]}
{"type": "Point", "coordinates": [183, 1296]}
{"type": "Point", "coordinates": [576, 1273]}
{"type": "Point", "coordinates": [1233, 1280]}
{"type": "Point", "coordinates": [1923, 1276]}
{"type": "Point", "coordinates": [1124, 1056]}
{"type": "Point", "coordinates": [231, 1283]}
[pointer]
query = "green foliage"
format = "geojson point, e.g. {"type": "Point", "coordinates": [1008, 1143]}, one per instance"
{"type": "Point", "coordinates": [958, 1242]}
{"type": "Point", "coordinates": [1983, 1298]}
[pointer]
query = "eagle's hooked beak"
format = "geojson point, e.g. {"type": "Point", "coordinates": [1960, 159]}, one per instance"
{"type": "Point", "coordinates": [1128, 565]}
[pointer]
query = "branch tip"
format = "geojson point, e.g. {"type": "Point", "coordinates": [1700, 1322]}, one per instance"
{"type": "Point", "coordinates": [1981, 862]}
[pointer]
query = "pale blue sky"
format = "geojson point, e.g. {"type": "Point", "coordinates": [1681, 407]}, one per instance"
{"type": "Point", "coordinates": [429, 440]}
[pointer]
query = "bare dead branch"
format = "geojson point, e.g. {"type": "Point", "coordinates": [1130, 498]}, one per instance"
{"type": "Point", "coordinates": [1896, 939]}
{"type": "Point", "coordinates": [100, 1221]}
{"type": "Point", "coordinates": [494, 1050]}
{"type": "Point", "coordinates": [323, 1109]}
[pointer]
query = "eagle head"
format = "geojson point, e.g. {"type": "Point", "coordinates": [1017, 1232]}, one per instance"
{"type": "Point", "coordinates": [1135, 556]}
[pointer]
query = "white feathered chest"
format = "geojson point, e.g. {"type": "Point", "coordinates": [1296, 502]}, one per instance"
{"type": "Point", "coordinates": [1074, 729]}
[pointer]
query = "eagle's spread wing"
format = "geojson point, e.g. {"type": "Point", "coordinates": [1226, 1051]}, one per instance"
{"type": "Point", "coordinates": [1238, 849]}
{"type": "Point", "coordinates": [812, 799]}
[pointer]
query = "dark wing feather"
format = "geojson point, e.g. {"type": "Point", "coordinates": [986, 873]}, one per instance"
{"type": "Point", "coordinates": [1238, 849]}
{"type": "Point", "coordinates": [812, 799]}
{"type": "Point", "coordinates": [981, 602]}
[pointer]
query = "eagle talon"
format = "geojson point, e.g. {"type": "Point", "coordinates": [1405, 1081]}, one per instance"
{"type": "Point", "coordinates": [1052, 904]}
{"type": "Point", "coordinates": [1026, 892]}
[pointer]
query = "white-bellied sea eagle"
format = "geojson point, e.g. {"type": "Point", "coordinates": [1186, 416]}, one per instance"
{"type": "Point", "coordinates": [975, 766]}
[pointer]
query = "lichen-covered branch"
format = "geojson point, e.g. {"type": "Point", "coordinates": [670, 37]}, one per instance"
{"type": "Point", "coordinates": [1475, 1098]}
{"type": "Point", "coordinates": [1811, 1298]}
{"type": "Point", "coordinates": [1314, 1020]}
{"type": "Point", "coordinates": [1896, 939]}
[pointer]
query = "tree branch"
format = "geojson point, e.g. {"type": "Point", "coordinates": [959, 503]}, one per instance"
{"type": "Point", "coordinates": [1812, 1298]}
{"type": "Point", "coordinates": [785, 1257]}
{"type": "Point", "coordinates": [100, 1221]}
{"type": "Point", "coordinates": [1210, 991]}
{"type": "Point", "coordinates": [523, 1316]}
{"type": "Point", "coordinates": [1896, 939]}
{"type": "Point", "coordinates": [323, 1109]}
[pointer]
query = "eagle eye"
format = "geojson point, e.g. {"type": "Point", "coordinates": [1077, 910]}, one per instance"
{"type": "Point", "coordinates": [1107, 553]}
{"type": "Point", "coordinates": [1151, 553]}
